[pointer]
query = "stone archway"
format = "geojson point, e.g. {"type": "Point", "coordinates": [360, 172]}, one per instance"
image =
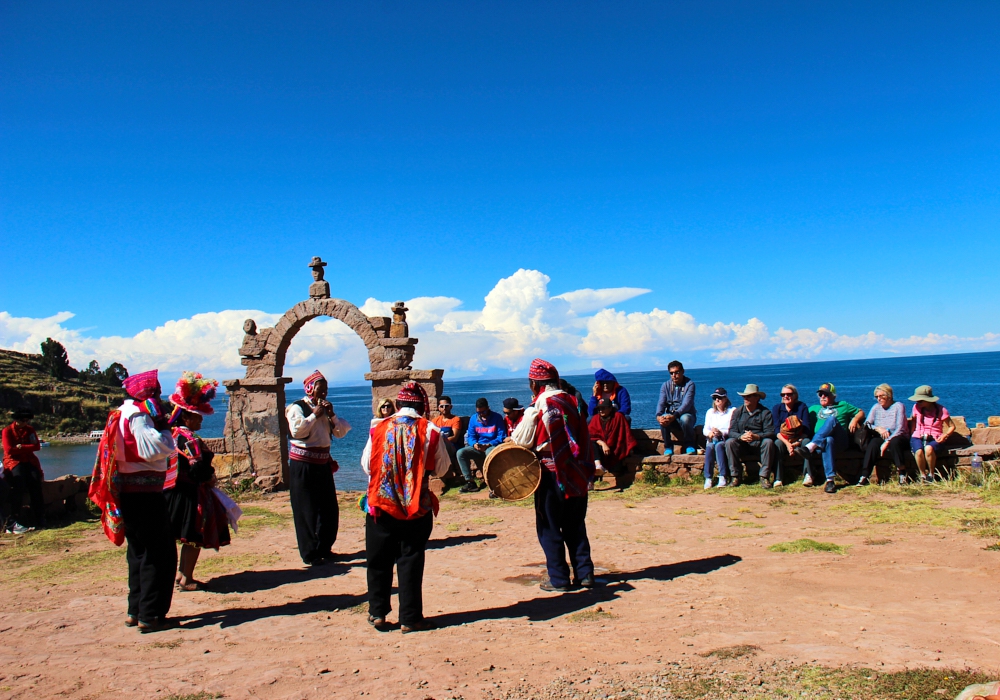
{"type": "Point", "coordinates": [256, 433]}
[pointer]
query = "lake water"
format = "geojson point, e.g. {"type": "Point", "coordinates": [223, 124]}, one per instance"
{"type": "Point", "coordinates": [969, 385]}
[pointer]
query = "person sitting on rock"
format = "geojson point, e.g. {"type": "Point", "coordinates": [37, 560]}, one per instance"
{"type": "Point", "coordinates": [606, 386]}
{"type": "Point", "coordinates": [932, 426]}
{"type": "Point", "coordinates": [716, 430]}
{"type": "Point", "coordinates": [450, 426]}
{"type": "Point", "coordinates": [887, 433]}
{"type": "Point", "coordinates": [513, 412]}
{"type": "Point", "coordinates": [675, 410]}
{"type": "Point", "coordinates": [487, 429]}
{"type": "Point", "coordinates": [835, 423]}
{"type": "Point", "coordinates": [751, 436]}
{"type": "Point", "coordinates": [611, 439]}
{"type": "Point", "coordinates": [23, 472]}
{"type": "Point", "coordinates": [793, 428]}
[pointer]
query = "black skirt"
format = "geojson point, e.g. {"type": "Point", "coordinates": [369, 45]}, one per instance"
{"type": "Point", "coordinates": [182, 509]}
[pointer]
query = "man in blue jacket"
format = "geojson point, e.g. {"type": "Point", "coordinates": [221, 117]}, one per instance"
{"type": "Point", "coordinates": [675, 410]}
{"type": "Point", "coordinates": [487, 429]}
{"type": "Point", "coordinates": [606, 386]}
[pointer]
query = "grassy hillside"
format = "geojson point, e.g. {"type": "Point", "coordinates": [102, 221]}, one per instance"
{"type": "Point", "coordinates": [59, 405]}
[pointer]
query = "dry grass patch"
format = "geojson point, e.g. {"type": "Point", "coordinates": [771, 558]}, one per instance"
{"type": "Point", "coordinates": [224, 564]}
{"type": "Point", "coordinates": [924, 512]}
{"type": "Point", "coordinates": [597, 614]}
{"type": "Point", "coordinates": [256, 518]}
{"type": "Point", "coordinates": [807, 545]}
{"type": "Point", "coordinates": [733, 652]}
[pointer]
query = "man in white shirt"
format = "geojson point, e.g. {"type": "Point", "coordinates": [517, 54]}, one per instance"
{"type": "Point", "coordinates": [401, 453]}
{"type": "Point", "coordinates": [143, 444]}
{"type": "Point", "coordinates": [313, 494]}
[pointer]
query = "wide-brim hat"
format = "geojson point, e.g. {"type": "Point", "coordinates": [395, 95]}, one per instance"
{"type": "Point", "coordinates": [752, 389]}
{"type": "Point", "coordinates": [924, 393]}
{"type": "Point", "coordinates": [21, 414]}
{"type": "Point", "coordinates": [316, 262]}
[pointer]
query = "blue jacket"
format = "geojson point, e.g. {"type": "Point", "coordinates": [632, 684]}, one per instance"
{"type": "Point", "coordinates": [622, 402]}
{"type": "Point", "coordinates": [801, 412]}
{"type": "Point", "coordinates": [676, 400]}
{"type": "Point", "coordinates": [492, 431]}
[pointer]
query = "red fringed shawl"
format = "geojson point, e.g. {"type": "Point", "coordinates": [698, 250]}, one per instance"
{"type": "Point", "coordinates": [561, 426]}
{"type": "Point", "coordinates": [616, 433]}
{"type": "Point", "coordinates": [104, 484]}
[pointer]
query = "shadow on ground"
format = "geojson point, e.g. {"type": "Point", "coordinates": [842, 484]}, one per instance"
{"type": "Point", "coordinates": [457, 540]}
{"type": "Point", "coordinates": [550, 607]}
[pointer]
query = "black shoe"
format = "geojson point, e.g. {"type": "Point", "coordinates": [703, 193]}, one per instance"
{"type": "Point", "coordinates": [803, 452]}
{"type": "Point", "coordinates": [156, 624]}
{"type": "Point", "coordinates": [493, 495]}
{"type": "Point", "coordinates": [830, 487]}
{"type": "Point", "coordinates": [379, 623]}
{"type": "Point", "coordinates": [863, 481]}
{"type": "Point", "coordinates": [547, 586]}
{"type": "Point", "coordinates": [587, 581]}
{"type": "Point", "coordinates": [421, 626]}
{"type": "Point", "coordinates": [469, 487]}
{"type": "Point", "coordinates": [765, 482]}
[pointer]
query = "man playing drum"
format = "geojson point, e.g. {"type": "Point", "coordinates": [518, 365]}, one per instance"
{"type": "Point", "coordinates": [553, 429]}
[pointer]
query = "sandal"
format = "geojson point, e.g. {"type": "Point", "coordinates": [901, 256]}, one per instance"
{"type": "Point", "coordinates": [190, 586]}
{"type": "Point", "coordinates": [421, 626]}
{"type": "Point", "coordinates": [131, 620]}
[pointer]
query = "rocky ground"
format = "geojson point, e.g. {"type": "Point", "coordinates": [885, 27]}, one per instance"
{"type": "Point", "coordinates": [744, 593]}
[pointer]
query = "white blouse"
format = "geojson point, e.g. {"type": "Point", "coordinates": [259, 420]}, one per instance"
{"type": "Point", "coordinates": [718, 420]}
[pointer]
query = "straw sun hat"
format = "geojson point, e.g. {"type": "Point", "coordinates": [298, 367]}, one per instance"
{"type": "Point", "coordinates": [924, 393]}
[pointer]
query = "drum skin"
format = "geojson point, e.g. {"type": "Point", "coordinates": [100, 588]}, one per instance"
{"type": "Point", "coordinates": [512, 472]}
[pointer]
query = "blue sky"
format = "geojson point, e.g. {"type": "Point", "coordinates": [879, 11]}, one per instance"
{"type": "Point", "coordinates": [809, 165]}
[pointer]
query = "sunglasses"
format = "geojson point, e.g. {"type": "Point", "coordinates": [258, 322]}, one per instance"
{"type": "Point", "coordinates": [676, 371]}
{"type": "Point", "coordinates": [444, 405]}
{"type": "Point", "coordinates": [783, 395]}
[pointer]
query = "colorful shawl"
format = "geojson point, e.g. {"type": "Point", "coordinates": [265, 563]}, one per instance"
{"type": "Point", "coordinates": [400, 450]}
{"type": "Point", "coordinates": [568, 442]}
{"type": "Point", "coordinates": [104, 485]}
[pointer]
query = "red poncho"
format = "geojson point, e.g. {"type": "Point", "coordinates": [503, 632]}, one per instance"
{"type": "Point", "coordinates": [616, 433]}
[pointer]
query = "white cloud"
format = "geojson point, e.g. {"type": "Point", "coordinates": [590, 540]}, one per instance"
{"type": "Point", "coordinates": [518, 320]}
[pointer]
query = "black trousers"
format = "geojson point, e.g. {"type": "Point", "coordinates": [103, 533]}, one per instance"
{"type": "Point", "coordinates": [400, 543]}
{"type": "Point", "coordinates": [24, 477]}
{"type": "Point", "coordinates": [315, 511]}
{"type": "Point", "coordinates": [561, 524]}
{"type": "Point", "coordinates": [152, 554]}
{"type": "Point", "coordinates": [898, 447]}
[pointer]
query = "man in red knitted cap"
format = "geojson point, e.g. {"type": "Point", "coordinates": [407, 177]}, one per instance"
{"type": "Point", "coordinates": [555, 431]}
{"type": "Point", "coordinates": [311, 489]}
{"type": "Point", "coordinates": [402, 452]}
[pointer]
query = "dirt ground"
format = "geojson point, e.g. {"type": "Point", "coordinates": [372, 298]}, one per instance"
{"type": "Point", "coordinates": [694, 604]}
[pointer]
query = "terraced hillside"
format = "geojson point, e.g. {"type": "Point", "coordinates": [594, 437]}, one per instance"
{"type": "Point", "coordinates": [60, 405]}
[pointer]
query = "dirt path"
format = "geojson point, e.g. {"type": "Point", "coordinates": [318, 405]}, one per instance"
{"type": "Point", "coordinates": [686, 573]}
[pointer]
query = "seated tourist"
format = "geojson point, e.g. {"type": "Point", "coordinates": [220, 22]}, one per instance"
{"type": "Point", "coordinates": [23, 472]}
{"type": "Point", "coordinates": [606, 386]}
{"type": "Point", "coordinates": [513, 412]}
{"type": "Point", "coordinates": [887, 425]}
{"type": "Point", "coordinates": [751, 436]}
{"type": "Point", "coordinates": [716, 430]}
{"type": "Point", "coordinates": [610, 437]}
{"type": "Point", "coordinates": [450, 426]}
{"type": "Point", "coordinates": [931, 427]}
{"type": "Point", "coordinates": [384, 409]}
{"type": "Point", "coordinates": [835, 424]}
{"type": "Point", "coordinates": [675, 410]}
{"type": "Point", "coordinates": [792, 425]}
{"type": "Point", "coordinates": [487, 429]}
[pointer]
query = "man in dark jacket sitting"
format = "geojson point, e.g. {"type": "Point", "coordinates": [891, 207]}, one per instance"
{"type": "Point", "coordinates": [751, 436]}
